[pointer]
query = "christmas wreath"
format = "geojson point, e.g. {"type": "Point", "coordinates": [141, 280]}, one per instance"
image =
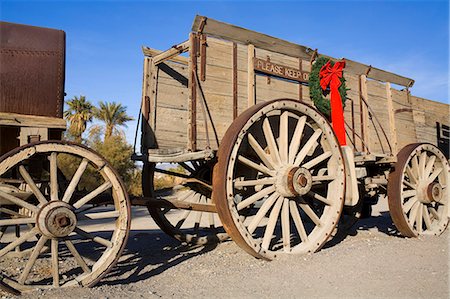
{"type": "Point", "coordinates": [315, 91]}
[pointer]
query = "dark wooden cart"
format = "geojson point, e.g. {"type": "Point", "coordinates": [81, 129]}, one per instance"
{"type": "Point", "coordinates": [233, 130]}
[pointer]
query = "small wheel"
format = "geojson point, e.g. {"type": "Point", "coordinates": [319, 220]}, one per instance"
{"type": "Point", "coordinates": [56, 193]}
{"type": "Point", "coordinates": [418, 191]}
{"type": "Point", "coordinates": [190, 182]}
{"type": "Point", "coordinates": [279, 182]}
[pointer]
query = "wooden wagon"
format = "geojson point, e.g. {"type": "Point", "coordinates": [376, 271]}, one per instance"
{"type": "Point", "coordinates": [232, 146]}
{"type": "Point", "coordinates": [48, 219]}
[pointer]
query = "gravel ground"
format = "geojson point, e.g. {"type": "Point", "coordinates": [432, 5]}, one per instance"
{"type": "Point", "coordinates": [369, 261]}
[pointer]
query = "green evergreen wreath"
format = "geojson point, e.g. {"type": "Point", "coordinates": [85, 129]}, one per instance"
{"type": "Point", "coordinates": [315, 91]}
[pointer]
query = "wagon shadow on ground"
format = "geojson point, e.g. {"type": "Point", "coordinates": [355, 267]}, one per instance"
{"type": "Point", "coordinates": [150, 252]}
{"type": "Point", "coordinates": [381, 223]}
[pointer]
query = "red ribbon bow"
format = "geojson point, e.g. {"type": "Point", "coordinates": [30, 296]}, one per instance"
{"type": "Point", "coordinates": [331, 76]}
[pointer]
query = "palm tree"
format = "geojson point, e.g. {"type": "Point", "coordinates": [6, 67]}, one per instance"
{"type": "Point", "coordinates": [79, 113]}
{"type": "Point", "coordinates": [113, 115]}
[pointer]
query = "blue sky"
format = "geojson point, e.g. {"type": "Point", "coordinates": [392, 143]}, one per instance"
{"type": "Point", "coordinates": [104, 38]}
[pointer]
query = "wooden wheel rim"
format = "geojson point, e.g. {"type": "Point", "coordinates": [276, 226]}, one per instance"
{"type": "Point", "coordinates": [224, 193]}
{"type": "Point", "coordinates": [420, 167]}
{"type": "Point", "coordinates": [113, 247]}
{"type": "Point", "coordinates": [204, 234]}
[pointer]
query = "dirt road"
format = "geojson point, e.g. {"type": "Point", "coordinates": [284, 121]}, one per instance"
{"type": "Point", "coordinates": [368, 262]}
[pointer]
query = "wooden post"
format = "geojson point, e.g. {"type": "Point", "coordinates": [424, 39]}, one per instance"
{"type": "Point", "coordinates": [300, 89]}
{"type": "Point", "coordinates": [235, 82]}
{"type": "Point", "coordinates": [391, 113]}
{"type": "Point", "coordinates": [147, 104]}
{"type": "Point", "coordinates": [364, 113]}
{"type": "Point", "coordinates": [251, 76]}
{"type": "Point", "coordinates": [152, 93]}
{"type": "Point", "coordinates": [192, 127]}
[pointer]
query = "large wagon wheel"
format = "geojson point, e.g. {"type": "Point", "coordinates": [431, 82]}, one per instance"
{"type": "Point", "coordinates": [192, 185]}
{"type": "Point", "coordinates": [418, 191]}
{"type": "Point", "coordinates": [72, 237]}
{"type": "Point", "coordinates": [279, 182]}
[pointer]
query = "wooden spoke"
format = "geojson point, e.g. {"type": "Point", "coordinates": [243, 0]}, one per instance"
{"type": "Point", "coordinates": [255, 197]}
{"type": "Point", "coordinates": [187, 167]}
{"type": "Point", "coordinates": [19, 241]}
{"type": "Point", "coordinates": [285, 225]}
{"type": "Point", "coordinates": [266, 159]}
{"type": "Point", "coordinates": [271, 143]}
{"type": "Point", "coordinates": [33, 257]}
{"type": "Point", "coordinates": [426, 217]}
{"type": "Point", "coordinates": [3, 230]}
{"type": "Point", "coordinates": [99, 190]}
{"type": "Point", "coordinates": [283, 139]}
{"type": "Point", "coordinates": [432, 211]}
{"type": "Point", "coordinates": [429, 167]}
{"type": "Point", "coordinates": [419, 218]}
{"type": "Point", "coordinates": [17, 221]}
{"type": "Point", "coordinates": [77, 256]}
{"type": "Point", "coordinates": [435, 174]}
{"type": "Point", "coordinates": [319, 178]}
{"type": "Point", "coordinates": [263, 181]}
{"type": "Point", "coordinates": [183, 218]}
{"type": "Point", "coordinates": [103, 215]}
{"type": "Point", "coordinates": [412, 177]}
{"type": "Point", "coordinates": [268, 203]}
{"type": "Point", "coordinates": [409, 193]}
{"type": "Point", "coordinates": [96, 239]}
{"type": "Point", "coordinates": [409, 204]}
{"type": "Point", "coordinates": [415, 167]}
{"type": "Point", "coordinates": [422, 163]}
{"type": "Point", "coordinates": [296, 139]}
{"type": "Point", "coordinates": [311, 214]}
{"type": "Point", "coordinates": [55, 264]}
{"type": "Point", "coordinates": [75, 180]}
{"type": "Point", "coordinates": [27, 177]}
{"type": "Point", "coordinates": [198, 219]}
{"type": "Point", "coordinates": [317, 160]}
{"type": "Point", "coordinates": [18, 201]}
{"type": "Point", "coordinates": [320, 197]}
{"type": "Point", "coordinates": [413, 214]}
{"type": "Point", "coordinates": [298, 221]}
{"type": "Point", "coordinates": [194, 196]}
{"type": "Point", "coordinates": [12, 213]}
{"type": "Point", "coordinates": [273, 217]}
{"type": "Point", "coordinates": [251, 164]}
{"type": "Point", "coordinates": [307, 147]}
{"type": "Point", "coordinates": [408, 184]}
{"type": "Point", "coordinates": [211, 221]}
{"type": "Point", "coordinates": [53, 176]}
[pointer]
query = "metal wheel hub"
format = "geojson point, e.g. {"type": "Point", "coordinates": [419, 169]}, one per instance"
{"type": "Point", "coordinates": [293, 181]}
{"type": "Point", "coordinates": [434, 192]}
{"type": "Point", "coordinates": [56, 219]}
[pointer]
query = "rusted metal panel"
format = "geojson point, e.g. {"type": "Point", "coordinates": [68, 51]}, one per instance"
{"type": "Point", "coordinates": [32, 70]}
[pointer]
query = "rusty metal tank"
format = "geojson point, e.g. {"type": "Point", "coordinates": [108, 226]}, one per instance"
{"type": "Point", "coordinates": [32, 70]}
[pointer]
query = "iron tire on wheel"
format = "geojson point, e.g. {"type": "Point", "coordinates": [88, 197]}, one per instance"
{"type": "Point", "coordinates": [418, 191]}
{"type": "Point", "coordinates": [61, 215]}
{"type": "Point", "coordinates": [265, 175]}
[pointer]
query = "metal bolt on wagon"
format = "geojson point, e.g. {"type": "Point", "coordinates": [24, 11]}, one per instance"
{"type": "Point", "coordinates": [248, 152]}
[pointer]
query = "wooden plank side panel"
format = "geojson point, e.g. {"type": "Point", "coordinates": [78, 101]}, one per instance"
{"type": "Point", "coordinates": [404, 121]}
{"type": "Point", "coordinates": [218, 93]}
{"type": "Point", "coordinates": [426, 113]}
{"type": "Point", "coordinates": [171, 109]}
